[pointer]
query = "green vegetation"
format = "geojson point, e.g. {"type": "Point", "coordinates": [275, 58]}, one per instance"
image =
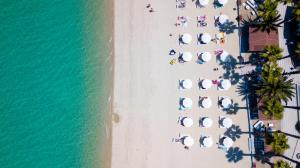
{"type": "Point", "coordinates": [296, 11]}
{"type": "Point", "coordinates": [268, 18]}
{"type": "Point", "coordinates": [279, 143]}
{"type": "Point", "coordinates": [274, 86]}
{"type": "Point", "coordinates": [273, 108]}
{"type": "Point", "coordinates": [279, 88]}
{"type": "Point", "coordinates": [297, 50]}
{"type": "Point", "coordinates": [282, 164]}
{"type": "Point", "coordinates": [272, 53]}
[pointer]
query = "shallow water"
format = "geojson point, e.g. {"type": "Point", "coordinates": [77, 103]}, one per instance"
{"type": "Point", "coordinates": [53, 73]}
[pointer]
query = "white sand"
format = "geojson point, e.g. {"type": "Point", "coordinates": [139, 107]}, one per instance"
{"type": "Point", "coordinates": [146, 95]}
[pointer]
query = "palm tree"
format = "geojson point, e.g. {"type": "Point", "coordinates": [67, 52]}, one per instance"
{"type": "Point", "coordinates": [296, 11]}
{"type": "Point", "coordinates": [268, 24]}
{"type": "Point", "coordinates": [297, 50]}
{"type": "Point", "coordinates": [268, 18]}
{"type": "Point", "coordinates": [292, 72]}
{"type": "Point", "coordinates": [279, 143]}
{"type": "Point", "coordinates": [282, 164]}
{"type": "Point", "coordinates": [267, 9]}
{"type": "Point", "coordinates": [272, 53]}
{"type": "Point", "coordinates": [270, 72]}
{"type": "Point", "coordinates": [273, 108]}
{"type": "Point", "coordinates": [279, 88]}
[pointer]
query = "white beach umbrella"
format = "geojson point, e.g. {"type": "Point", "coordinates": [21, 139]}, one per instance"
{"type": "Point", "coordinates": [227, 122]}
{"type": "Point", "coordinates": [187, 84]}
{"type": "Point", "coordinates": [203, 2]}
{"type": "Point", "coordinates": [224, 55]}
{"type": "Point", "coordinates": [226, 102]}
{"type": "Point", "coordinates": [223, 19]}
{"type": "Point", "coordinates": [187, 56]}
{"type": "Point", "coordinates": [227, 142]}
{"type": "Point", "coordinates": [205, 38]}
{"type": "Point", "coordinates": [206, 83]}
{"type": "Point", "coordinates": [207, 141]}
{"type": "Point", "coordinates": [187, 102]}
{"type": "Point", "coordinates": [188, 141]}
{"type": "Point", "coordinates": [225, 84]}
{"type": "Point", "coordinates": [222, 2]}
{"type": "Point", "coordinates": [186, 38]}
{"type": "Point", "coordinates": [206, 103]}
{"type": "Point", "coordinates": [207, 122]}
{"type": "Point", "coordinates": [187, 122]}
{"type": "Point", "coordinates": [206, 56]}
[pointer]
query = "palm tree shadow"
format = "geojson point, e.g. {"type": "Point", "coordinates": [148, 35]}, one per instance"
{"type": "Point", "coordinates": [246, 89]}
{"type": "Point", "coordinates": [264, 158]}
{"type": "Point", "coordinates": [234, 132]}
{"type": "Point", "coordinates": [229, 66]}
{"type": "Point", "coordinates": [234, 154]}
{"type": "Point", "coordinates": [228, 27]}
{"type": "Point", "coordinates": [233, 109]}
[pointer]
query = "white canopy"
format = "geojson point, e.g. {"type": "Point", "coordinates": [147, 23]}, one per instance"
{"type": "Point", "coordinates": [187, 122]}
{"type": "Point", "coordinates": [207, 142]}
{"type": "Point", "coordinates": [187, 102]}
{"type": "Point", "coordinates": [186, 38]}
{"type": "Point", "coordinates": [205, 38]}
{"type": "Point", "coordinates": [206, 83]}
{"type": "Point", "coordinates": [227, 142]}
{"type": "Point", "coordinates": [203, 2]}
{"type": "Point", "coordinates": [223, 19]}
{"type": "Point", "coordinates": [187, 84]}
{"type": "Point", "coordinates": [223, 2]}
{"type": "Point", "coordinates": [207, 122]}
{"type": "Point", "coordinates": [226, 102]}
{"type": "Point", "coordinates": [225, 84]}
{"type": "Point", "coordinates": [206, 103]}
{"type": "Point", "coordinates": [206, 56]}
{"type": "Point", "coordinates": [227, 122]}
{"type": "Point", "coordinates": [187, 56]}
{"type": "Point", "coordinates": [224, 55]}
{"type": "Point", "coordinates": [188, 141]}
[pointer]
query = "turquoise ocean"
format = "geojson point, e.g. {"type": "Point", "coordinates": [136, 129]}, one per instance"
{"type": "Point", "coordinates": [55, 81]}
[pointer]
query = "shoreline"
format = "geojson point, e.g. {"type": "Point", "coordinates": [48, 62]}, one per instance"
{"type": "Point", "coordinates": [109, 128]}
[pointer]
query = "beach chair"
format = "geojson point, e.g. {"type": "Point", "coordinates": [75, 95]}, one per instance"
{"type": "Point", "coordinates": [199, 39]}
{"type": "Point", "coordinates": [220, 120]}
{"type": "Point", "coordinates": [199, 61]}
{"type": "Point", "coordinates": [259, 125]}
{"type": "Point", "coordinates": [220, 146]}
{"type": "Point", "coordinates": [201, 21]}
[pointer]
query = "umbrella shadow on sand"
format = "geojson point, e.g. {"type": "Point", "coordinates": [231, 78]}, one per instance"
{"type": "Point", "coordinates": [228, 27]}
{"type": "Point", "coordinates": [234, 154]}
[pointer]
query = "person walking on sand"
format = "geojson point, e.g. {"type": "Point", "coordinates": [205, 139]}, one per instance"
{"type": "Point", "coordinates": [151, 10]}
{"type": "Point", "coordinates": [148, 6]}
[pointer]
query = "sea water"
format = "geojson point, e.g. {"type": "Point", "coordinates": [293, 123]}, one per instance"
{"type": "Point", "coordinates": [54, 73]}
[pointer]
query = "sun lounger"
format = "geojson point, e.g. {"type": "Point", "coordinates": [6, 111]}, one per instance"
{"type": "Point", "coordinates": [220, 120]}
{"type": "Point", "coordinates": [259, 125]}
{"type": "Point", "coordinates": [252, 4]}
{"type": "Point", "coordinates": [220, 146]}
{"type": "Point", "coordinates": [180, 3]}
{"type": "Point", "coordinates": [198, 39]}
{"type": "Point", "coordinates": [201, 21]}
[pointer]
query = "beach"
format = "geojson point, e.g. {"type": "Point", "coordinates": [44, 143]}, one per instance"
{"type": "Point", "coordinates": [146, 94]}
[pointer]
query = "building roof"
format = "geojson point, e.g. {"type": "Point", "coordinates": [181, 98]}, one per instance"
{"type": "Point", "coordinates": [258, 39]}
